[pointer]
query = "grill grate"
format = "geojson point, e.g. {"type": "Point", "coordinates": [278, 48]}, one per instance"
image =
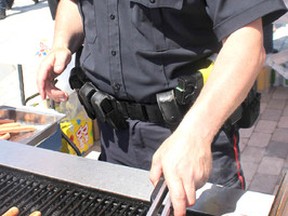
{"type": "Point", "coordinates": [30, 192]}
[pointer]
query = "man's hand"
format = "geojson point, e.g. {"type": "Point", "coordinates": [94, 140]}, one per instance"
{"type": "Point", "coordinates": [185, 161]}
{"type": "Point", "coordinates": [185, 157]}
{"type": "Point", "coordinates": [68, 38]}
{"type": "Point", "coordinates": [51, 67]}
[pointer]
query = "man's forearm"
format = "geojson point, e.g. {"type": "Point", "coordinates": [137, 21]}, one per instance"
{"type": "Point", "coordinates": [68, 32]}
{"type": "Point", "coordinates": [235, 71]}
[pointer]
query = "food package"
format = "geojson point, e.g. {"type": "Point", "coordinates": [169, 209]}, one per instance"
{"type": "Point", "coordinates": [76, 125]}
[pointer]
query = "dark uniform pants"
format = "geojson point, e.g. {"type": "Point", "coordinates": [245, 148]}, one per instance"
{"type": "Point", "coordinates": [135, 147]}
{"type": "Point", "coordinates": [2, 5]}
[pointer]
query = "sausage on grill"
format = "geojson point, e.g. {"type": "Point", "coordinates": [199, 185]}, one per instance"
{"type": "Point", "coordinates": [14, 211]}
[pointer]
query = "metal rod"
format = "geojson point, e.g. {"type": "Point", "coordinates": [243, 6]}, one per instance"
{"type": "Point", "coordinates": [70, 200]}
{"type": "Point", "coordinates": [27, 193]}
{"type": "Point", "coordinates": [21, 83]}
{"type": "Point", "coordinates": [38, 200]}
{"type": "Point", "coordinates": [160, 191]}
{"type": "Point", "coordinates": [78, 204]}
{"type": "Point", "coordinates": [105, 207]}
{"type": "Point", "coordinates": [86, 206]}
{"type": "Point", "coordinates": [91, 212]}
{"type": "Point", "coordinates": [17, 192]}
{"type": "Point", "coordinates": [49, 205]}
{"type": "Point", "coordinates": [35, 191]}
{"type": "Point", "coordinates": [167, 208]}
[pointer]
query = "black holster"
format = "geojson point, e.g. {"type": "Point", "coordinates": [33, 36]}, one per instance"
{"type": "Point", "coordinates": [101, 106]}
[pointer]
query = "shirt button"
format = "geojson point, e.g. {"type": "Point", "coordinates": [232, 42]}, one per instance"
{"type": "Point", "coordinates": [112, 16]}
{"type": "Point", "coordinates": [152, 1]}
{"type": "Point", "coordinates": [116, 86]}
{"type": "Point", "coordinates": [113, 53]}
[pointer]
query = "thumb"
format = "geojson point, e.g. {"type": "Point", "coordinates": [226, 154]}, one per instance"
{"type": "Point", "coordinates": [61, 61]}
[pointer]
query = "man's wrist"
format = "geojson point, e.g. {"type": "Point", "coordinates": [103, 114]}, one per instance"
{"type": "Point", "coordinates": [200, 123]}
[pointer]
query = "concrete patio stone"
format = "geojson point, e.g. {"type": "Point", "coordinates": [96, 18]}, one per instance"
{"type": "Point", "coordinates": [280, 93]}
{"type": "Point", "coordinates": [280, 135]}
{"type": "Point", "coordinates": [271, 165]}
{"type": "Point", "coordinates": [277, 149]}
{"type": "Point", "coordinates": [246, 133]}
{"type": "Point", "coordinates": [283, 122]}
{"type": "Point", "coordinates": [249, 169]}
{"type": "Point", "coordinates": [263, 183]}
{"type": "Point", "coordinates": [252, 154]}
{"type": "Point", "coordinates": [271, 114]}
{"type": "Point", "coordinates": [259, 139]}
{"type": "Point", "coordinates": [277, 104]}
{"type": "Point", "coordinates": [266, 126]}
{"type": "Point", "coordinates": [285, 111]}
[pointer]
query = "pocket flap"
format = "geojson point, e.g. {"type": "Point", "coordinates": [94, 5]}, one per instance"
{"type": "Point", "coordinates": [174, 4]}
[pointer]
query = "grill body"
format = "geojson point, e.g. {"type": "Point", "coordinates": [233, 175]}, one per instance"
{"type": "Point", "coordinates": [30, 192]}
{"type": "Point", "coordinates": [33, 178]}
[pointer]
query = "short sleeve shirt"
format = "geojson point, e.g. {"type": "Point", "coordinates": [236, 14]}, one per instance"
{"type": "Point", "coordinates": [134, 49]}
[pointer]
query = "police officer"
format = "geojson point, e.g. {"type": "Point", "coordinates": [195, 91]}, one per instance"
{"type": "Point", "coordinates": [135, 49]}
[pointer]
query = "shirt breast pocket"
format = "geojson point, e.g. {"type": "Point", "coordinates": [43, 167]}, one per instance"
{"type": "Point", "coordinates": [147, 18]}
{"type": "Point", "coordinates": [88, 16]}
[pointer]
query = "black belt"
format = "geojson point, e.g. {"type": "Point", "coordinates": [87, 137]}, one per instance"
{"type": "Point", "coordinates": [106, 108]}
{"type": "Point", "coordinates": [142, 112]}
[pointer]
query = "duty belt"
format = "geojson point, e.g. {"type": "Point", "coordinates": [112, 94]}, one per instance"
{"type": "Point", "coordinates": [169, 110]}
{"type": "Point", "coordinates": [106, 108]}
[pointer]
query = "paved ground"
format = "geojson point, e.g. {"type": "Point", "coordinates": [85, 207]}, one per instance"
{"type": "Point", "coordinates": [29, 27]}
{"type": "Point", "coordinates": [264, 147]}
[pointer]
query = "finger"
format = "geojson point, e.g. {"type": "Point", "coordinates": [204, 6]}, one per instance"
{"type": "Point", "coordinates": [177, 196]}
{"type": "Point", "coordinates": [35, 213]}
{"type": "Point", "coordinates": [14, 211]}
{"type": "Point", "coordinates": [156, 170]}
{"type": "Point", "coordinates": [190, 191]}
{"type": "Point", "coordinates": [46, 75]}
{"type": "Point", "coordinates": [42, 77]}
{"type": "Point", "coordinates": [189, 184]}
{"type": "Point", "coordinates": [55, 93]}
{"type": "Point", "coordinates": [52, 66]}
{"type": "Point", "coordinates": [61, 61]}
{"type": "Point", "coordinates": [46, 84]}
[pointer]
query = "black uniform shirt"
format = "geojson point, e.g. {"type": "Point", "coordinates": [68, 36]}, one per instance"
{"type": "Point", "coordinates": [136, 48]}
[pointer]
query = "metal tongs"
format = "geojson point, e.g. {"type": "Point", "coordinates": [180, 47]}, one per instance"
{"type": "Point", "coordinates": [158, 195]}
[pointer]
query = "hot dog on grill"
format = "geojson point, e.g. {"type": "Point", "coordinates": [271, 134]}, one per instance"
{"type": "Point", "coordinates": [3, 121]}
{"type": "Point", "coordinates": [9, 126]}
{"type": "Point", "coordinates": [14, 211]}
{"type": "Point", "coordinates": [5, 136]}
{"type": "Point", "coordinates": [17, 129]}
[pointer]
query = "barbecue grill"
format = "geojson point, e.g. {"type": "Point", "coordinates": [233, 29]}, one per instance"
{"type": "Point", "coordinates": [55, 183]}
{"type": "Point", "coordinates": [31, 192]}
